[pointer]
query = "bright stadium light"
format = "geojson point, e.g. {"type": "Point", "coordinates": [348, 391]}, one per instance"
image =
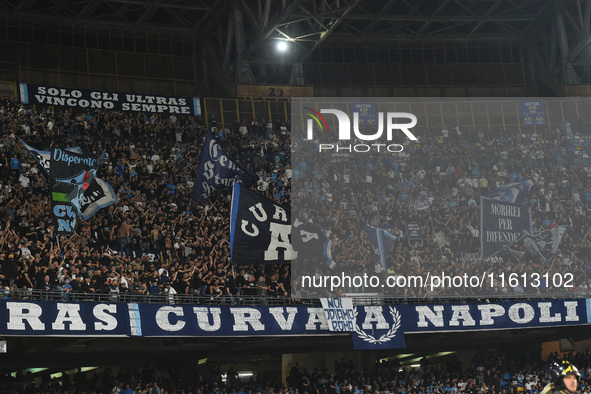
{"type": "Point", "coordinates": [282, 46]}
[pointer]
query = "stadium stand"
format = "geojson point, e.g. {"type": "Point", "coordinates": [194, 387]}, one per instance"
{"type": "Point", "coordinates": [145, 297]}
{"type": "Point", "coordinates": [153, 174]}
{"type": "Point", "coordinates": [186, 245]}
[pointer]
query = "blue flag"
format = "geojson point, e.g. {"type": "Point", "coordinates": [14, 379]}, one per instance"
{"type": "Point", "coordinates": [43, 156]}
{"type": "Point", "coordinates": [87, 198]}
{"type": "Point", "coordinates": [422, 203]}
{"type": "Point", "coordinates": [68, 170]}
{"type": "Point", "coordinates": [514, 192]}
{"type": "Point", "coordinates": [262, 232]}
{"type": "Point", "coordinates": [217, 170]}
{"type": "Point", "coordinates": [381, 241]}
{"type": "Point", "coordinates": [501, 224]}
{"type": "Point", "coordinates": [545, 243]}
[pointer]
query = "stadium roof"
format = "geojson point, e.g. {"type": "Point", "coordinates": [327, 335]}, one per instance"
{"type": "Point", "coordinates": [303, 21]}
{"type": "Point", "coordinates": [235, 31]}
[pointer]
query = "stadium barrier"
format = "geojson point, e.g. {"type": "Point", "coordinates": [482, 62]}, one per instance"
{"type": "Point", "coordinates": [193, 299]}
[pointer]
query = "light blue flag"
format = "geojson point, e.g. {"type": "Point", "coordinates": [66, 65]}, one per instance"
{"type": "Point", "coordinates": [381, 241]}
{"type": "Point", "coordinates": [513, 192]}
{"type": "Point", "coordinates": [545, 243]}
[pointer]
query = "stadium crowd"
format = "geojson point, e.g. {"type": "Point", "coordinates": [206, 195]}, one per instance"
{"type": "Point", "coordinates": [156, 240]}
{"type": "Point", "coordinates": [494, 372]}
{"type": "Point", "coordinates": [452, 173]}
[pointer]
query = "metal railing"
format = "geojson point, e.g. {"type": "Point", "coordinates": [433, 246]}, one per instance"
{"type": "Point", "coordinates": [188, 299]}
{"type": "Point", "coordinates": [259, 300]}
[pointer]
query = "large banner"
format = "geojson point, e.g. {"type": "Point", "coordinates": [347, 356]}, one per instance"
{"type": "Point", "coordinates": [374, 327]}
{"type": "Point", "coordinates": [218, 170]}
{"type": "Point", "coordinates": [63, 318]}
{"type": "Point", "coordinates": [67, 170]}
{"type": "Point", "coordinates": [96, 99]}
{"type": "Point", "coordinates": [502, 224]}
{"type": "Point", "coordinates": [379, 327]}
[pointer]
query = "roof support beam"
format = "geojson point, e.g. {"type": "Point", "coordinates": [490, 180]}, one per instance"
{"type": "Point", "coordinates": [488, 13]}
{"type": "Point", "coordinates": [377, 20]}
{"type": "Point", "coordinates": [332, 26]}
{"type": "Point", "coordinates": [430, 19]}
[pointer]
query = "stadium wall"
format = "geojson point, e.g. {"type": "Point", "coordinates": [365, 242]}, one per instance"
{"type": "Point", "coordinates": [577, 90]}
{"type": "Point", "coordinates": [8, 89]}
{"type": "Point", "coordinates": [105, 69]}
{"type": "Point", "coordinates": [228, 111]}
{"type": "Point", "coordinates": [422, 80]}
{"type": "Point", "coordinates": [489, 114]}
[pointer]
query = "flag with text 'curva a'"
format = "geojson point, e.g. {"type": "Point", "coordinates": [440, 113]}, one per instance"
{"type": "Point", "coordinates": [262, 232]}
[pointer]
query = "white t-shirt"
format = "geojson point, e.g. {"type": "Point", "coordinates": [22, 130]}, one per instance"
{"type": "Point", "coordinates": [25, 252]}
{"type": "Point", "coordinates": [24, 180]}
{"type": "Point", "coordinates": [170, 293]}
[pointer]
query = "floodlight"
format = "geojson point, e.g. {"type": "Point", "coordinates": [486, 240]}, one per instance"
{"type": "Point", "coordinates": [282, 46]}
